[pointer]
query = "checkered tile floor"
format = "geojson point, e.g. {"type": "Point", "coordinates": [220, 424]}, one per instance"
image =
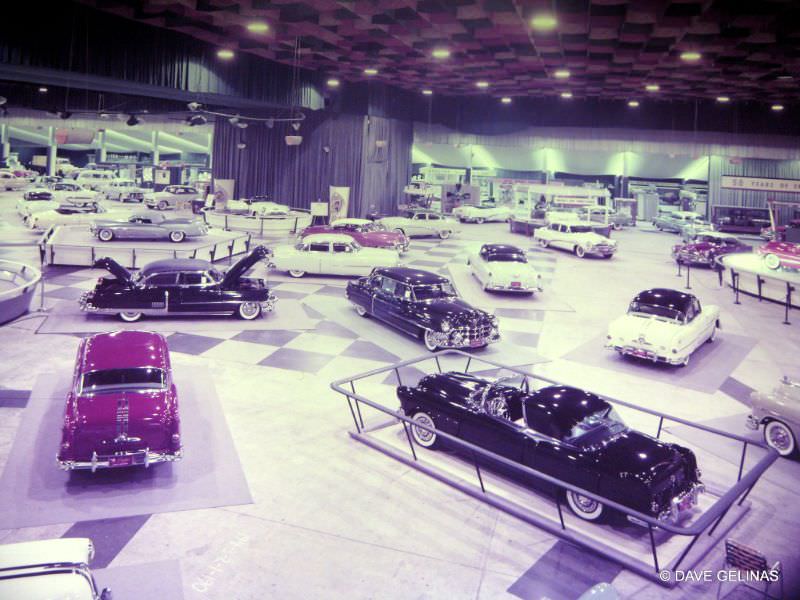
{"type": "Point", "coordinates": [330, 346]}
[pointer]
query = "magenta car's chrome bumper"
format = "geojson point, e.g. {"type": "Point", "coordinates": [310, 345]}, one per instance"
{"type": "Point", "coordinates": [143, 458]}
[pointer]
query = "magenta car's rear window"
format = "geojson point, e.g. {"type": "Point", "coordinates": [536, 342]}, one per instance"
{"type": "Point", "coordinates": [145, 377]}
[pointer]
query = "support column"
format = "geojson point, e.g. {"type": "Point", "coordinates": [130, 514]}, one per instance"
{"type": "Point", "coordinates": [52, 149]}
{"type": "Point", "coordinates": [101, 153]}
{"type": "Point", "coordinates": [154, 142]}
{"type": "Point", "coordinates": [5, 144]}
{"type": "Point", "coordinates": [210, 146]}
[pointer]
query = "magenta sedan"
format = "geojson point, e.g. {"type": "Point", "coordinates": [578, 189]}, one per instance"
{"type": "Point", "coordinates": [122, 409]}
{"type": "Point", "coordinates": [367, 233]}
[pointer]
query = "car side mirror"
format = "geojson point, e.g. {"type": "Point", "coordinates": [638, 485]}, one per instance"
{"type": "Point", "coordinates": [106, 594]}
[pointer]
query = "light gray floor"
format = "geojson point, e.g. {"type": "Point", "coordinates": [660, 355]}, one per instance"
{"type": "Point", "coordinates": [332, 518]}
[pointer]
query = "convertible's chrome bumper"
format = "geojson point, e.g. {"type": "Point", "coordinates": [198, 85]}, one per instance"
{"type": "Point", "coordinates": [682, 503]}
{"type": "Point", "coordinates": [645, 354]}
{"type": "Point", "coordinates": [143, 458]}
{"type": "Point", "coordinates": [752, 422]}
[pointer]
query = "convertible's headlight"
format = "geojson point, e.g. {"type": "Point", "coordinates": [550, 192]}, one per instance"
{"type": "Point", "coordinates": [446, 326]}
{"type": "Point", "coordinates": [589, 245]}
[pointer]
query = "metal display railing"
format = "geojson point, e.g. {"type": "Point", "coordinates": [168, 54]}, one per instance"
{"type": "Point", "coordinates": [707, 523]}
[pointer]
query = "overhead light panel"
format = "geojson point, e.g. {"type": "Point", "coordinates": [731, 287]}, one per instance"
{"type": "Point", "coordinates": [723, 99]}
{"type": "Point", "coordinates": [370, 71]}
{"type": "Point", "coordinates": [777, 107]}
{"type": "Point", "coordinates": [652, 87]}
{"type": "Point", "coordinates": [784, 77]}
{"type": "Point", "coordinates": [566, 95]}
{"type": "Point", "coordinates": [225, 54]}
{"type": "Point", "coordinates": [43, 90]}
{"type": "Point", "coordinates": [440, 53]}
{"type": "Point", "coordinates": [561, 74]}
{"type": "Point", "coordinates": [482, 84]}
{"type": "Point", "coordinates": [333, 82]}
{"type": "Point", "coordinates": [544, 22]}
{"type": "Point", "coordinates": [505, 100]}
{"type": "Point", "coordinates": [691, 56]}
{"type": "Point", "coordinates": [427, 92]}
{"type": "Point", "coordinates": [258, 27]}
{"type": "Point", "coordinates": [633, 103]}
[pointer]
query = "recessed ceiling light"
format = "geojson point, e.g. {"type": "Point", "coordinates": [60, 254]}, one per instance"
{"type": "Point", "coordinates": [482, 84]}
{"type": "Point", "coordinates": [505, 100]}
{"type": "Point", "coordinates": [257, 27]}
{"type": "Point", "coordinates": [440, 53]}
{"type": "Point", "coordinates": [691, 56]}
{"type": "Point", "coordinates": [544, 22]}
{"type": "Point", "coordinates": [427, 92]}
{"type": "Point", "coordinates": [332, 82]}
{"type": "Point", "coordinates": [723, 99]}
{"type": "Point", "coordinates": [42, 90]}
{"type": "Point", "coordinates": [561, 74]}
{"type": "Point", "coordinates": [777, 107]}
{"type": "Point", "coordinates": [225, 54]}
{"type": "Point", "coordinates": [784, 77]}
{"type": "Point", "coordinates": [633, 103]}
{"type": "Point", "coordinates": [370, 71]}
{"type": "Point", "coordinates": [566, 94]}
{"type": "Point", "coordinates": [652, 87]}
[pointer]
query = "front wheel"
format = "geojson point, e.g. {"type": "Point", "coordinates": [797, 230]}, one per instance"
{"type": "Point", "coordinates": [444, 234]}
{"type": "Point", "coordinates": [713, 334]}
{"type": "Point", "coordinates": [616, 226]}
{"type": "Point", "coordinates": [105, 235]}
{"type": "Point", "coordinates": [584, 507]}
{"type": "Point", "coordinates": [779, 436]}
{"type": "Point", "coordinates": [249, 310]}
{"type": "Point", "coordinates": [361, 311]}
{"type": "Point", "coordinates": [296, 273]}
{"type": "Point", "coordinates": [177, 236]}
{"type": "Point", "coordinates": [685, 362]}
{"type": "Point", "coordinates": [479, 220]}
{"type": "Point", "coordinates": [423, 437]}
{"type": "Point", "coordinates": [130, 316]}
{"type": "Point", "coordinates": [543, 242]}
{"type": "Point", "coordinates": [162, 205]}
{"type": "Point", "coordinates": [580, 252]}
{"type": "Point", "coordinates": [772, 261]}
{"type": "Point", "coordinates": [430, 340]}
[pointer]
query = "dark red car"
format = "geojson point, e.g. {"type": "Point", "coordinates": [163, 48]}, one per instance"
{"type": "Point", "coordinates": [367, 233]}
{"type": "Point", "coordinates": [781, 254]}
{"type": "Point", "coordinates": [706, 247]}
{"type": "Point", "coordinates": [122, 409]}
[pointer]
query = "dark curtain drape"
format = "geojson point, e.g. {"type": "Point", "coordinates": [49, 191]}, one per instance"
{"type": "Point", "coordinates": [386, 164]}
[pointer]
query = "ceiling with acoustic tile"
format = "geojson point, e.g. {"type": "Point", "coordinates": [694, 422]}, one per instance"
{"type": "Point", "coordinates": [748, 49]}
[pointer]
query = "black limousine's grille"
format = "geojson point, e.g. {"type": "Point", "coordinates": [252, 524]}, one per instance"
{"type": "Point", "coordinates": [475, 330]}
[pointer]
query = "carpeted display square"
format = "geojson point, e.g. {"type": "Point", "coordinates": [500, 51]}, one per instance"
{"type": "Point", "coordinates": [709, 367]}
{"type": "Point", "coordinates": [34, 491]}
{"type": "Point", "coordinates": [148, 581]}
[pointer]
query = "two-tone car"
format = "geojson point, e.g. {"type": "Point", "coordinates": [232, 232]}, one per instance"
{"type": "Point", "coordinates": [258, 206]}
{"type": "Point", "coordinates": [122, 406]}
{"type": "Point", "coordinates": [777, 413]}
{"type": "Point", "coordinates": [575, 237]}
{"type": "Point", "coordinates": [504, 268]}
{"type": "Point", "coordinates": [780, 255]}
{"type": "Point", "coordinates": [561, 431]}
{"type": "Point", "coordinates": [663, 325]}
{"type": "Point", "coordinates": [681, 221]}
{"type": "Point", "coordinates": [707, 247]}
{"type": "Point", "coordinates": [482, 213]}
{"type": "Point", "coordinates": [421, 223]}
{"type": "Point", "coordinates": [423, 305]}
{"type": "Point", "coordinates": [368, 234]}
{"type": "Point", "coordinates": [330, 254]}
{"type": "Point", "coordinates": [180, 287]}
{"type": "Point", "coordinates": [123, 190]}
{"type": "Point", "coordinates": [39, 199]}
{"type": "Point", "coordinates": [71, 214]}
{"type": "Point", "coordinates": [172, 196]}
{"type": "Point", "coordinates": [149, 226]}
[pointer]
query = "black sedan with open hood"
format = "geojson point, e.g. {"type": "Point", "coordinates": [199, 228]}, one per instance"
{"type": "Point", "coordinates": [424, 305]}
{"type": "Point", "coordinates": [178, 287]}
{"type": "Point", "coordinates": [570, 434]}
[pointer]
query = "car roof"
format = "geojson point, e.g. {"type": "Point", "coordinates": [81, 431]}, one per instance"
{"type": "Point", "coordinates": [57, 551]}
{"type": "Point", "coordinates": [562, 406]}
{"type": "Point", "coordinates": [410, 276]}
{"type": "Point", "coordinates": [124, 349]}
{"type": "Point", "coordinates": [665, 297]}
{"type": "Point", "coordinates": [501, 249]}
{"type": "Point", "coordinates": [174, 265]}
{"type": "Point", "coordinates": [350, 222]}
{"type": "Point", "coordinates": [320, 238]}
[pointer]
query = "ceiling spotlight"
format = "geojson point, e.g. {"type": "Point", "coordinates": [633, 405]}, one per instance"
{"type": "Point", "coordinates": [194, 106]}
{"type": "Point", "coordinates": [258, 27]}
{"type": "Point", "coordinates": [561, 74]}
{"type": "Point", "coordinates": [505, 100]}
{"type": "Point", "coordinates": [233, 120]}
{"type": "Point", "coordinates": [482, 84]}
{"type": "Point", "coordinates": [64, 114]}
{"type": "Point", "coordinates": [132, 120]}
{"type": "Point", "coordinates": [225, 54]}
{"type": "Point", "coordinates": [296, 126]}
{"type": "Point", "coordinates": [241, 145]}
{"type": "Point", "coordinates": [241, 125]}
{"type": "Point", "coordinates": [566, 94]}
{"type": "Point", "coordinates": [2, 100]}
{"type": "Point", "coordinates": [270, 123]}
{"type": "Point", "coordinates": [723, 99]}
{"type": "Point", "coordinates": [104, 115]}
{"type": "Point", "coordinates": [333, 82]}
{"type": "Point", "coordinates": [784, 77]}
{"type": "Point", "coordinates": [633, 103]}
{"type": "Point", "coordinates": [440, 53]}
{"type": "Point", "coordinates": [370, 71]}
{"type": "Point", "coordinates": [544, 22]}
{"type": "Point", "coordinates": [427, 92]}
{"type": "Point", "coordinates": [43, 90]}
{"type": "Point", "coordinates": [777, 107]}
{"type": "Point", "coordinates": [691, 56]}
{"type": "Point", "coordinates": [652, 87]}
{"type": "Point", "coordinates": [195, 120]}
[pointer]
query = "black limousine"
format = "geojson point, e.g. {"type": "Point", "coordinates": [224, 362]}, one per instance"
{"type": "Point", "coordinates": [178, 287]}
{"type": "Point", "coordinates": [567, 433]}
{"type": "Point", "coordinates": [424, 305]}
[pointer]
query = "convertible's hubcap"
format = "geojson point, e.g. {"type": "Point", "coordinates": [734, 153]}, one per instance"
{"type": "Point", "coordinates": [423, 435]}
{"type": "Point", "coordinates": [584, 503]}
{"type": "Point", "coordinates": [779, 438]}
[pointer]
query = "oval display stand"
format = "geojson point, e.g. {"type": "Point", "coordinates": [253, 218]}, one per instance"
{"type": "Point", "coordinates": [18, 283]}
{"type": "Point", "coordinates": [756, 279]}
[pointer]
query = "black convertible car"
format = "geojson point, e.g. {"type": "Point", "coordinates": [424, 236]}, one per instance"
{"type": "Point", "coordinates": [424, 305]}
{"type": "Point", "coordinates": [180, 287]}
{"type": "Point", "coordinates": [564, 432]}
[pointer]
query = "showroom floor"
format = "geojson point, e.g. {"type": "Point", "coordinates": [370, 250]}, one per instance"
{"type": "Point", "coordinates": [299, 509]}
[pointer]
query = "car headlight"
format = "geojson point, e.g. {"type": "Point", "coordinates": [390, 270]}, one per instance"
{"type": "Point", "coordinates": [589, 245]}
{"type": "Point", "coordinates": [446, 326]}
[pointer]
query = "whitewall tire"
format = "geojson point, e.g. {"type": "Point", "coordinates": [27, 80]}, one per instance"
{"type": "Point", "coordinates": [543, 242]}
{"type": "Point", "coordinates": [361, 311]}
{"type": "Point", "coordinates": [296, 273]}
{"type": "Point", "coordinates": [580, 252]}
{"type": "Point", "coordinates": [444, 234]}
{"type": "Point", "coordinates": [162, 205]}
{"type": "Point", "coordinates": [430, 341]}
{"type": "Point", "coordinates": [779, 436]}
{"type": "Point", "coordinates": [105, 235]}
{"type": "Point", "coordinates": [423, 437]}
{"type": "Point", "coordinates": [249, 310]}
{"type": "Point", "coordinates": [772, 261]}
{"type": "Point", "coordinates": [130, 316]}
{"type": "Point", "coordinates": [480, 220]}
{"type": "Point", "coordinates": [584, 507]}
{"type": "Point", "coordinates": [177, 236]}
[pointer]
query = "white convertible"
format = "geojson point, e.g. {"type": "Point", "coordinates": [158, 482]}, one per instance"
{"type": "Point", "coordinates": [40, 199]}
{"type": "Point", "coordinates": [73, 214]}
{"type": "Point", "coordinates": [421, 223]}
{"type": "Point", "coordinates": [482, 213]}
{"type": "Point", "coordinates": [9, 181]}
{"type": "Point", "coordinates": [500, 267]}
{"type": "Point", "coordinates": [575, 237]}
{"type": "Point", "coordinates": [663, 325]}
{"type": "Point", "coordinates": [257, 206]}
{"type": "Point", "coordinates": [331, 254]}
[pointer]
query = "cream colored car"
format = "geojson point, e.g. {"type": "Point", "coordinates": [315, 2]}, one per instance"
{"type": "Point", "coordinates": [331, 254]}
{"type": "Point", "coordinates": [778, 413]}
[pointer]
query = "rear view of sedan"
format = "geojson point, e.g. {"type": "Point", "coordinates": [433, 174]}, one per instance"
{"type": "Point", "coordinates": [504, 268]}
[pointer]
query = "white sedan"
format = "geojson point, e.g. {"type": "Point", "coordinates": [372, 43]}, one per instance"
{"type": "Point", "coordinates": [663, 325]}
{"type": "Point", "coordinates": [420, 224]}
{"type": "Point", "coordinates": [331, 254]}
{"type": "Point", "coordinates": [482, 213]}
{"type": "Point", "coordinates": [575, 237]}
{"type": "Point", "coordinates": [257, 206]}
{"type": "Point", "coordinates": [72, 214]}
{"type": "Point", "coordinates": [171, 197]}
{"type": "Point", "coordinates": [123, 190]}
{"type": "Point", "coordinates": [500, 267]}
{"type": "Point", "coordinates": [9, 181]}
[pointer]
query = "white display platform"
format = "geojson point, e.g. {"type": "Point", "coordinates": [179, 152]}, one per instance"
{"type": "Point", "coordinates": [75, 245]}
{"type": "Point", "coordinates": [260, 226]}
{"type": "Point", "coordinates": [751, 268]}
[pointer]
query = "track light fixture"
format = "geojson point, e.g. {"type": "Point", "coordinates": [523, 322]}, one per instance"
{"type": "Point", "coordinates": [270, 123]}
{"type": "Point", "coordinates": [194, 106]}
{"type": "Point", "coordinates": [241, 125]}
{"type": "Point", "coordinates": [195, 120]}
{"type": "Point", "coordinates": [234, 120]}
{"type": "Point", "coordinates": [133, 120]}
{"type": "Point", "coordinates": [241, 145]}
{"type": "Point", "coordinates": [2, 100]}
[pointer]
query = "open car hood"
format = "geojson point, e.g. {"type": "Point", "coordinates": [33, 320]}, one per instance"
{"type": "Point", "coordinates": [233, 274]}
{"type": "Point", "coordinates": [116, 269]}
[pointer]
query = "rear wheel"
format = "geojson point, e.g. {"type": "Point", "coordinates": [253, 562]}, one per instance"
{"type": "Point", "coordinates": [423, 437]}
{"type": "Point", "coordinates": [772, 261]}
{"type": "Point", "coordinates": [579, 251]}
{"type": "Point", "coordinates": [779, 436]}
{"type": "Point", "coordinates": [361, 311]}
{"type": "Point", "coordinates": [584, 507]}
{"type": "Point", "coordinates": [249, 310]}
{"type": "Point", "coordinates": [543, 242]}
{"type": "Point", "coordinates": [430, 340]}
{"type": "Point", "coordinates": [479, 220]}
{"type": "Point", "coordinates": [105, 235]}
{"type": "Point", "coordinates": [130, 316]}
{"type": "Point", "coordinates": [444, 234]}
{"type": "Point", "coordinates": [297, 273]}
{"type": "Point", "coordinates": [177, 236]}
{"type": "Point", "coordinates": [162, 205]}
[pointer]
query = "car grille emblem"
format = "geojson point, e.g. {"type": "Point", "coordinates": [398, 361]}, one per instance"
{"type": "Point", "coordinates": [642, 339]}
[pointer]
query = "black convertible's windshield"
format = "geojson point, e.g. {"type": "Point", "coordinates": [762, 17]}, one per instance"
{"type": "Point", "coordinates": [656, 311]}
{"type": "Point", "coordinates": [432, 292]}
{"type": "Point", "coordinates": [596, 428]}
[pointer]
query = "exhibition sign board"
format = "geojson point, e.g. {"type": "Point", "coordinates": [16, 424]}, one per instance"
{"type": "Point", "coordinates": [319, 209]}
{"type": "Point", "coordinates": [760, 184]}
{"type": "Point", "coordinates": [223, 191]}
{"type": "Point", "coordinates": [339, 202]}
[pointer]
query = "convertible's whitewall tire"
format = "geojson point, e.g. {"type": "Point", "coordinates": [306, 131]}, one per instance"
{"type": "Point", "coordinates": [686, 360]}
{"type": "Point", "coordinates": [616, 226]}
{"type": "Point", "coordinates": [479, 220]}
{"type": "Point", "coordinates": [772, 261]}
{"type": "Point", "coordinates": [584, 507]}
{"type": "Point", "coordinates": [422, 437]}
{"type": "Point", "coordinates": [430, 343]}
{"type": "Point", "coordinates": [779, 436]}
{"type": "Point", "coordinates": [105, 235]}
{"type": "Point", "coordinates": [713, 334]}
{"type": "Point", "coordinates": [444, 234]}
{"type": "Point", "coordinates": [296, 273]}
{"type": "Point", "coordinates": [162, 205]}
{"type": "Point", "coordinates": [177, 236]}
{"type": "Point", "coordinates": [249, 310]}
{"type": "Point", "coordinates": [361, 311]}
{"type": "Point", "coordinates": [130, 316]}
{"type": "Point", "coordinates": [543, 242]}
{"type": "Point", "coordinates": [579, 251]}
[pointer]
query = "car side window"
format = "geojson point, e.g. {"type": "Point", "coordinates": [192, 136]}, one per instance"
{"type": "Point", "coordinates": [162, 279]}
{"type": "Point", "coordinates": [376, 282]}
{"type": "Point", "coordinates": [697, 308]}
{"type": "Point", "coordinates": [191, 278]}
{"type": "Point", "coordinates": [318, 247]}
{"type": "Point", "coordinates": [433, 217]}
{"type": "Point", "coordinates": [402, 291]}
{"type": "Point", "coordinates": [342, 247]}
{"type": "Point", "coordinates": [388, 286]}
{"type": "Point", "coordinates": [418, 217]}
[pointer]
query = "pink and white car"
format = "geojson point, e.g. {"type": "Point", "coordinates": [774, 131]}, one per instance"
{"type": "Point", "coordinates": [781, 254]}
{"type": "Point", "coordinates": [368, 234]}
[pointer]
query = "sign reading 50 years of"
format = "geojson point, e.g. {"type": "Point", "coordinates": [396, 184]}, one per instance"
{"type": "Point", "coordinates": [761, 184]}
